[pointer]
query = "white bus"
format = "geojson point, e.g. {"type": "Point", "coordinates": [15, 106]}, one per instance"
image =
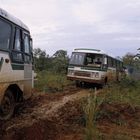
{"type": "Point", "coordinates": [93, 66]}
{"type": "Point", "coordinates": [16, 63]}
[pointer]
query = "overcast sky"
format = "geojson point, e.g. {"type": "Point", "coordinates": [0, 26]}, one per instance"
{"type": "Point", "coordinates": [110, 25]}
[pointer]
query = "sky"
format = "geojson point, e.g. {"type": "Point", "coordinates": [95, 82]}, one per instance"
{"type": "Point", "coordinates": [109, 25]}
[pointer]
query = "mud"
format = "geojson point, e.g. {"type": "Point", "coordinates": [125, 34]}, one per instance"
{"type": "Point", "coordinates": [60, 116]}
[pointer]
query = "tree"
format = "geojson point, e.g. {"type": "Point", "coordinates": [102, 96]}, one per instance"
{"type": "Point", "coordinates": [60, 54]}
{"type": "Point", "coordinates": [138, 54]}
{"type": "Point", "coordinates": [57, 63]}
{"type": "Point", "coordinates": [128, 59]}
{"type": "Point", "coordinates": [60, 61]}
{"type": "Point", "coordinates": [131, 60]}
{"type": "Point", "coordinates": [39, 59]}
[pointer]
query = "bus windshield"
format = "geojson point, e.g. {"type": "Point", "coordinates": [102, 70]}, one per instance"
{"type": "Point", "coordinates": [77, 58]}
{"type": "Point", "coordinates": [94, 60]}
{"type": "Point", "coordinates": [88, 59]}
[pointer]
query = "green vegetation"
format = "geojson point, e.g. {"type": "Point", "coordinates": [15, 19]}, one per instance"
{"type": "Point", "coordinates": [57, 63]}
{"type": "Point", "coordinates": [132, 60]}
{"type": "Point", "coordinates": [127, 92]}
{"type": "Point", "coordinates": [51, 82]}
{"type": "Point", "coordinates": [111, 105]}
{"type": "Point", "coordinates": [51, 71]}
{"type": "Point", "coordinates": [91, 107]}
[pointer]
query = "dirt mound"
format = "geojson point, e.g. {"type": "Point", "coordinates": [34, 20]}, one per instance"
{"type": "Point", "coordinates": [71, 113]}
{"type": "Point", "coordinates": [60, 116]}
{"type": "Point", "coordinates": [119, 121]}
{"type": "Point", "coordinates": [118, 113]}
{"type": "Point", "coordinates": [33, 119]}
{"type": "Point", "coordinates": [42, 130]}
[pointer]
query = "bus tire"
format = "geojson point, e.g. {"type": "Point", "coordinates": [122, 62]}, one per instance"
{"type": "Point", "coordinates": [7, 106]}
{"type": "Point", "coordinates": [104, 84]}
{"type": "Point", "coordinates": [77, 83]}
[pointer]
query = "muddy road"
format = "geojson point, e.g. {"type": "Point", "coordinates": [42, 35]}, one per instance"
{"type": "Point", "coordinates": [60, 116]}
{"type": "Point", "coordinates": [35, 119]}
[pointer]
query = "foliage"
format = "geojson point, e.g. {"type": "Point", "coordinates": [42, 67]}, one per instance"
{"type": "Point", "coordinates": [57, 63]}
{"type": "Point", "coordinates": [131, 60]}
{"type": "Point", "coordinates": [128, 59]}
{"type": "Point", "coordinates": [51, 82]}
{"type": "Point", "coordinates": [39, 59]}
{"type": "Point", "coordinates": [99, 107]}
{"type": "Point", "coordinates": [91, 107]}
{"type": "Point", "coordinates": [60, 54]}
{"type": "Point", "coordinates": [127, 91]}
{"type": "Point", "coordinates": [60, 61]}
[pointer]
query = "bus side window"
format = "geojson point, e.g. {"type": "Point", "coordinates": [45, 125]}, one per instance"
{"type": "Point", "coordinates": [5, 35]}
{"type": "Point", "coordinates": [17, 49]}
{"type": "Point", "coordinates": [31, 49]}
{"type": "Point", "coordinates": [27, 50]}
{"type": "Point", "coordinates": [17, 45]}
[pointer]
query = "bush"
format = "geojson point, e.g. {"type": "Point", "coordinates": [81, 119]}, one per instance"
{"type": "Point", "coordinates": [51, 82]}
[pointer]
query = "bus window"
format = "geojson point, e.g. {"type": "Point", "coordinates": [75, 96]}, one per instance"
{"type": "Point", "coordinates": [27, 56]}
{"type": "Point", "coordinates": [27, 44]}
{"type": "Point", "coordinates": [17, 54]}
{"type": "Point", "coordinates": [17, 45]}
{"type": "Point", "coordinates": [77, 59]}
{"type": "Point", "coordinates": [114, 63]}
{"type": "Point", "coordinates": [5, 32]}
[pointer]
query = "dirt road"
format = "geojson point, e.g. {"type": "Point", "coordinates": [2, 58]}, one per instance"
{"type": "Point", "coordinates": [36, 113]}
{"type": "Point", "coordinates": [59, 116]}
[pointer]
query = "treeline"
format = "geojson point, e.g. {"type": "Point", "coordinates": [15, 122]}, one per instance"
{"type": "Point", "coordinates": [131, 60]}
{"type": "Point", "coordinates": [57, 63]}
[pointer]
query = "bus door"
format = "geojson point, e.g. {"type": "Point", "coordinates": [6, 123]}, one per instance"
{"type": "Point", "coordinates": [27, 65]}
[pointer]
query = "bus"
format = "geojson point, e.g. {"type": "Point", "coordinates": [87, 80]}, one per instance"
{"type": "Point", "coordinates": [16, 63]}
{"type": "Point", "coordinates": [93, 66]}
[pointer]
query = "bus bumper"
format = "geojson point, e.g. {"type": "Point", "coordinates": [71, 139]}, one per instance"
{"type": "Point", "coordinates": [81, 79]}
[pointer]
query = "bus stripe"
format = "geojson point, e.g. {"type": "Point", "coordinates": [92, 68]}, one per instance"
{"type": "Point", "coordinates": [17, 67]}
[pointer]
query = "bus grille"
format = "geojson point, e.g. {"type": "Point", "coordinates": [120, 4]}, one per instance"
{"type": "Point", "coordinates": [84, 74]}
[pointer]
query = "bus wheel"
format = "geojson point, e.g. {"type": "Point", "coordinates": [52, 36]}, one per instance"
{"type": "Point", "coordinates": [7, 106]}
{"type": "Point", "coordinates": [77, 83]}
{"type": "Point", "coordinates": [104, 84]}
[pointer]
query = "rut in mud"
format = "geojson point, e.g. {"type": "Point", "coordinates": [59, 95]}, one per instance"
{"type": "Point", "coordinates": [60, 116]}
{"type": "Point", "coordinates": [36, 114]}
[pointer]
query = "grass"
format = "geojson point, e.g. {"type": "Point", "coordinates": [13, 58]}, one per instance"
{"type": "Point", "coordinates": [127, 92]}
{"type": "Point", "coordinates": [51, 82]}
{"type": "Point", "coordinates": [91, 107]}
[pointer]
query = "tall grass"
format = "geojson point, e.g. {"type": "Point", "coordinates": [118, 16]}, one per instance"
{"type": "Point", "coordinates": [48, 81]}
{"type": "Point", "coordinates": [127, 91]}
{"type": "Point", "coordinates": [91, 107]}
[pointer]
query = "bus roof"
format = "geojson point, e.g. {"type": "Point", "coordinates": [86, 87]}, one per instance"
{"type": "Point", "coordinates": [96, 51]}
{"type": "Point", "coordinates": [85, 50]}
{"type": "Point", "coordinates": [13, 19]}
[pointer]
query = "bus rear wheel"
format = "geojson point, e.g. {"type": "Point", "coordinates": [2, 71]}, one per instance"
{"type": "Point", "coordinates": [7, 106]}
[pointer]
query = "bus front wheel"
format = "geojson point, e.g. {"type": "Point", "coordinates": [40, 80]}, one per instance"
{"type": "Point", "coordinates": [7, 106]}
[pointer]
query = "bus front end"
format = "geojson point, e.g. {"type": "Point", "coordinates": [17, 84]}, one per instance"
{"type": "Point", "coordinates": [87, 67]}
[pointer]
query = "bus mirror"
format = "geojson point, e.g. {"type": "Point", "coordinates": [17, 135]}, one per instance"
{"type": "Point", "coordinates": [105, 61]}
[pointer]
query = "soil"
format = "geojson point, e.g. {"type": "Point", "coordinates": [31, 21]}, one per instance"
{"type": "Point", "coordinates": [60, 116]}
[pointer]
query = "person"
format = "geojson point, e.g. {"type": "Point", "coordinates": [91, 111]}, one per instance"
{"type": "Point", "coordinates": [98, 61]}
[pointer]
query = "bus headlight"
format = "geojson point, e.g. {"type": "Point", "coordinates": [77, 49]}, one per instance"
{"type": "Point", "coordinates": [95, 74]}
{"type": "Point", "coordinates": [70, 72]}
